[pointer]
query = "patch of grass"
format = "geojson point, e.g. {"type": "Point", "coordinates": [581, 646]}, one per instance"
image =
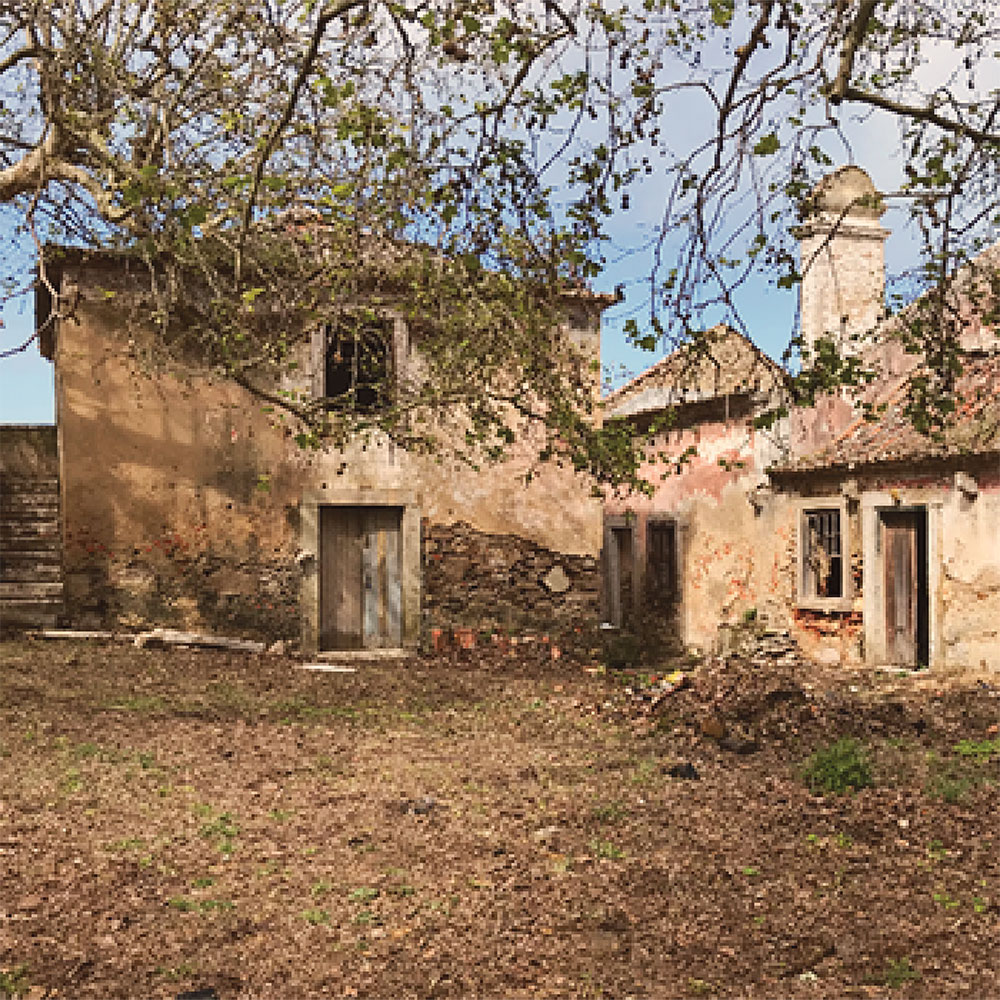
{"type": "Point", "coordinates": [644, 772]}
{"type": "Point", "coordinates": [14, 981]}
{"type": "Point", "coordinates": [187, 905]}
{"type": "Point", "coordinates": [280, 815]}
{"type": "Point", "coordinates": [203, 883]}
{"type": "Point", "coordinates": [173, 973]}
{"type": "Point", "coordinates": [751, 870]}
{"type": "Point", "coordinates": [315, 917]}
{"type": "Point", "coordinates": [605, 849]}
{"type": "Point", "coordinates": [321, 888]}
{"type": "Point", "coordinates": [362, 894]}
{"type": "Point", "coordinates": [401, 890]}
{"type": "Point", "coordinates": [899, 971]}
{"type": "Point", "coordinates": [839, 768]}
{"type": "Point", "coordinates": [223, 830]}
{"type": "Point", "coordinates": [86, 750]}
{"type": "Point", "coordinates": [609, 812]}
{"type": "Point", "coordinates": [146, 760]}
{"type": "Point", "coordinates": [949, 781]}
{"type": "Point", "coordinates": [945, 900]}
{"type": "Point", "coordinates": [981, 751]}
{"type": "Point", "coordinates": [128, 844]}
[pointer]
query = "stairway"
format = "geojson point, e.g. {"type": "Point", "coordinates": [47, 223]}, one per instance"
{"type": "Point", "coordinates": [31, 588]}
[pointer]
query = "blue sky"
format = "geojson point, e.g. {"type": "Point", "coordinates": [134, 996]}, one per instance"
{"type": "Point", "coordinates": [26, 379]}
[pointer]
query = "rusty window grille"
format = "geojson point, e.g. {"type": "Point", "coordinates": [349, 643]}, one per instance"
{"type": "Point", "coordinates": [823, 555]}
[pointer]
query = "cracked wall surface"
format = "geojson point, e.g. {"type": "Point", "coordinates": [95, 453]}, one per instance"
{"type": "Point", "coordinates": [181, 496]}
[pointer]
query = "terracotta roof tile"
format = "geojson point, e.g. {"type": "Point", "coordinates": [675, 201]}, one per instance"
{"type": "Point", "coordinates": [974, 427]}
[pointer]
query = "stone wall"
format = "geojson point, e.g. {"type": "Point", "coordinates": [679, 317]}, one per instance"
{"type": "Point", "coordinates": [505, 583]}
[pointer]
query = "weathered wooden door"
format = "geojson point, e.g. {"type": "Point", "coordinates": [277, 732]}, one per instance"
{"type": "Point", "coordinates": [901, 583]}
{"type": "Point", "coordinates": [360, 583]}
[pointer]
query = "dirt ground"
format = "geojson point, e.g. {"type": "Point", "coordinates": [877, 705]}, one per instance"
{"type": "Point", "coordinates": [179, 820]}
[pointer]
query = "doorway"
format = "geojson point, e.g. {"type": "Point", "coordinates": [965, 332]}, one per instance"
{"type": "Point", "coordinates": [619, 582]}
{"type": "Point", "coordinates": [905, 589]}
{"type": "Point", "coordinates": [360, 591]}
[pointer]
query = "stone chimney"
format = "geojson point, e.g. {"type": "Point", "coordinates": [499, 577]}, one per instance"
{"type": "Point", "coordinates": [842, 248]}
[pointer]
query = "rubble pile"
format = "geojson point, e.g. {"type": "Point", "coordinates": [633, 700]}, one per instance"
{"type": "Point", "coordinates": [753, 692]}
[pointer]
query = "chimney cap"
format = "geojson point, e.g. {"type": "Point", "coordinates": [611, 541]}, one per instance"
{"type": "Point", "coordinates": [848, 191]}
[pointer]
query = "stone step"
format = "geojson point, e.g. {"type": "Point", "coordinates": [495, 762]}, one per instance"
{"type": "Point", "coordinates": [30, 591]}
{"type": "Point", "coordinates": [19, 614]}
{"type": "Point", "coordinates": [10, 482]}
{"type": "Point", "coordinates": [17, 547]}
{"type": "Point", "coordinates": [30, 572]}
{"type": "Point", "coordinates": [36, 528]}
{"type": "Point", "coordinates": [33, 512]}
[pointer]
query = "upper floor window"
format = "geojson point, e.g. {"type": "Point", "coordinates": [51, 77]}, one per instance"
{"type": "Point", "coordinates": [357, 364]}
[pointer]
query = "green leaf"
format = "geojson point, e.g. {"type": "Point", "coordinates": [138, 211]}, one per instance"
{"type": "Point", "coordinates": [767, 145]}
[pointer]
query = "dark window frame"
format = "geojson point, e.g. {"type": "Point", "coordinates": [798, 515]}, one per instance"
{"type": "Point", "coordinates": [355, 376]}
{"type": "Point", "coordinates": [823, 557]}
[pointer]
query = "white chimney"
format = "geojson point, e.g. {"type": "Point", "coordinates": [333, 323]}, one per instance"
{"type": "Point", "coordinates": [842, 260]}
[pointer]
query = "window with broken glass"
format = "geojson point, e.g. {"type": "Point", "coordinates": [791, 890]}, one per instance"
{"type": "Point", "coordinates": [823, 563]}
{"type": "Point", "coordinates": [357, 365]}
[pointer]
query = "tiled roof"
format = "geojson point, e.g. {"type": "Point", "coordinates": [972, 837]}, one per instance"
{"type": "Point", "coordinates": [974, 427]}
{"type": "Point", "coordinates": [731, 365]}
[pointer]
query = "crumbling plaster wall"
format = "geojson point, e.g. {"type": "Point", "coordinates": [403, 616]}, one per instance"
{"type": "Point", "coordinates": [969, 595]}
{"type": "Point", "coordinates": [181, 497]}
{"type": "Point", "coordinates": [734, 540]}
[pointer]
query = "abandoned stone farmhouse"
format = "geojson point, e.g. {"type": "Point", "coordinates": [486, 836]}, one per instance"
{"type": "Point", "coordinates": [868, 541]}
{"type": "Point", "coordinates": [178, 501]}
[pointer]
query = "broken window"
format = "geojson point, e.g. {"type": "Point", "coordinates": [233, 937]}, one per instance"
{"type": "Point", "coordinates": [823, 562]}
{"type": "Point", "coordinates": [357, 365]}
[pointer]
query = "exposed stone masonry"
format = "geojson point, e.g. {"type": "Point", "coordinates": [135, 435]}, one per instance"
{"type": "Point", "coordinates": [506, 583]}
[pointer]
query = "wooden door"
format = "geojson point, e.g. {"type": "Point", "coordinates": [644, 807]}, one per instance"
{"type": "Point", "coordinates": [360, 580]}
{"type": "Point", "coordinates": [901, 587]}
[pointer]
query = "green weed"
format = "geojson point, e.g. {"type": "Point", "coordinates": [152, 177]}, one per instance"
{"type": "Point", "coordinates": [321, 887]}
{"type": "Point", "coordinates": [223, 830]}
{"type": "Point", "coordinates": [899, 971]}
{"type": "Point", "coordinates": [751, 870]}
{"type": "Point", "coordinates": [401, 890]}
{"type": "Point", "coordinates": [14, 982]}
{"type": "Point", "coordinates": [362, 894]}
{"type": "Point", "coordinates": [610, 812]}
{"type": "Point", "coordinates": [839, 768]}
{"type": "Point", "coordinates": [316, 917]}
{"type": "Point", "coordinates": [981, 751]}
{"type": "Point", "coordinates": [949, 781]}
{"type": "Point", "coordinates": [181, 971]}
{"type": "Point", "coordinates": [605, 849]}
{"type": "Point", "coordinates": [187, 905]}
{"type": "Point", "coordinates": [203, 883]}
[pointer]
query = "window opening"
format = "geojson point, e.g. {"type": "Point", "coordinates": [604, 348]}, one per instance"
{"type": "Point", "coordinates": [357, 366]}
{"type": "Point", "coordinates": [823, 554]}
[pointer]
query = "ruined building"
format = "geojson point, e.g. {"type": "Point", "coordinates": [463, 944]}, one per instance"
{"type": "Point", "coordinates": [870, 542]}
{"type": "Point", "coordinates": [182, 503]}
